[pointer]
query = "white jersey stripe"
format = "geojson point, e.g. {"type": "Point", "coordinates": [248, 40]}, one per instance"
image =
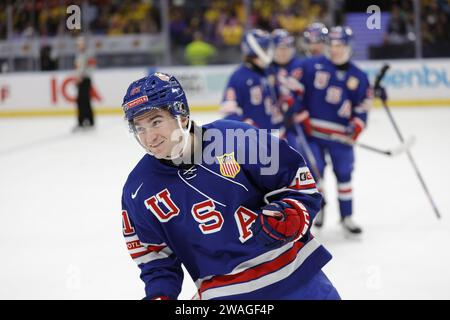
{"type": "Point", "coordinates": [150, 257]}
{"type": "Point", "coordinates": [328, 125]}
{"type": "Point", "coordinates": [305, 191]}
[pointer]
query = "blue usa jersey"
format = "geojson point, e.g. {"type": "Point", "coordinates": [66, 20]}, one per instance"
{"type": "Point", "coordinates": [201, 216]}
{"type": "Point", "coordinates": [289, 88]}
{"type": "Point", "coordinates": [290, 75]}
{"type": "Point", "coordinates": [250, 97]}
{"type": "Point", "coordinates": [334, 96]}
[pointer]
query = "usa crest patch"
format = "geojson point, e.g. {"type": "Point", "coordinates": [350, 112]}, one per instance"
{"type": "Point", "coordinates": [229, 167]}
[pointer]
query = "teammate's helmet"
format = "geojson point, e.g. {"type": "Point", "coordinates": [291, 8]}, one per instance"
{"type": "Point", "coordinates": [282, 38]}
{"type": "Point", "coordinates": [316, 32]}
{"type": "Point", "coordinates": [340, 34]}
{"type": "Point", "coordinates": [258, 43]}
{"type": "Point", "coordinates": [158, 90]}
{"type": "Point", "coordinates": [284, 46]}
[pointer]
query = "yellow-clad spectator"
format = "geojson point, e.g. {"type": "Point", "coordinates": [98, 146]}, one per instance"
{"type": "Point", "coordinates": [232, 32]}
{"type": "Point", "coordinates": [212, 14]}
{"type": "Point", "coordinates": [199, 52]}
{"type": "Point", "coordinates": [292, 23]}
{"type": "Point", "coordinates": [138, 12]}
{"type": "Point", "coordinates": [116, 25]}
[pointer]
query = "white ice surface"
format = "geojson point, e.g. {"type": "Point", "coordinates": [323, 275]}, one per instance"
{"type": "Point", "coordinates": [61, 225]}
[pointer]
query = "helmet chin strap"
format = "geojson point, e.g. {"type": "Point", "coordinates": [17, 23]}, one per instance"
{"type": "Point", "coordinates": [185, 139]}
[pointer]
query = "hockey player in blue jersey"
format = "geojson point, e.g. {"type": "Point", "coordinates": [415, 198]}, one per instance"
{"type": "Point", "coordinates": [313, 44]}
{"type": "Point", "coordinates": [240, 231]}
{"type": "Point", "coordinates": [287, 68]}
{"type": "Point", "coordinates": [314, 38]}
{"type": "Point", "coordinates": [249, 95]}
{"type": "Point", "coordinates": [335, 105]}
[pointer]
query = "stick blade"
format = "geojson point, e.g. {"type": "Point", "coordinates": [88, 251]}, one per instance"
{"type": "Point", "coordinates": [406, 145]}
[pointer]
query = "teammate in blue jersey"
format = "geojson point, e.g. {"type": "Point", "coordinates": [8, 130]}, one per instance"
{"type": "Point", "coordinates": [287, 68]}
{"type": "Point", "coordinates": [249, 95]}
{"type": "Point", "coordinates": [314, 38]}
{"type": "Point", "coordinates": [335, 105]}
{"type": "Point", "coordinates": [199, 197]}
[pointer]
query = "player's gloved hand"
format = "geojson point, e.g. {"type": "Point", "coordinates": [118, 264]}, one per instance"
{"type": "Point", "coordinates": [281, 222]}
{"type": "Point", "coordinates": [286, 101]}
{"type": "Point", "coordinates": [354, 128]}
{"type": "Point", "coordinates": [295, 86]}
{"type": "Point", "coordinates": [303, 119]}
{"type": "Point", "coordinates": [380, 92]}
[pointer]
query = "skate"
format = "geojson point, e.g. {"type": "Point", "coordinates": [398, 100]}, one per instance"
{"type": "Point", "coordinates": [86, 125]}
{"type": "Point", "coordinates": [350, 226]}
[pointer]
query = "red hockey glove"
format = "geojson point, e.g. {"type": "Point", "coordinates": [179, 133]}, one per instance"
{"type": "Point", "coordinates": [281, 222]}
{"type": "Point", "coordinates": [355, 128]}
{"type": "Point", "coordinates": [303, 119]}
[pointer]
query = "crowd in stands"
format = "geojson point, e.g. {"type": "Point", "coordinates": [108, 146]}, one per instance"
{"type": "Point", "coordinates": [47, 18]}
{"type": "Point", "coordinates": [220, 22]}
{"type": "Point", "coordinates": [435, 17]}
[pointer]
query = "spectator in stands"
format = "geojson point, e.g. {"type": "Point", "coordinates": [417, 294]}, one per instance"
{"type": "Point", "coordinates": [180, 33]}
{"type": "Point", "coordinates": [48, 59]}
{"type": "Point", "coordinates": [435, 23]}
{"type": "Point", "coordinates": [231, 32]}
{"type": "Point", "coordinates": [397, 27]}
{"type": "Point", "coordinates": [199, 52]}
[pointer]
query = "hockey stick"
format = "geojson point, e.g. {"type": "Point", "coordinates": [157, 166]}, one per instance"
{"type": "Point", "coordinates": [380, 92]}
{"type": "Point", "coordinates": [301, 141]}
{"type": "Point", "coordinates": [390, 152]}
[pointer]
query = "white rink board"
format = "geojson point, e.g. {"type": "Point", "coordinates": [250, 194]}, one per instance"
{"type": "Point", "coordinates": [409, 82]}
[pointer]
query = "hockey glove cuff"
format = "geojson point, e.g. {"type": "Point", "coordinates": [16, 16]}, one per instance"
{"type": "Point", "coordinates": [355, 128]}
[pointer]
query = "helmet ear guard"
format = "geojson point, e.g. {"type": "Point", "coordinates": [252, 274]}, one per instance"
{"type": "Point", "coordinates": [180, 108]}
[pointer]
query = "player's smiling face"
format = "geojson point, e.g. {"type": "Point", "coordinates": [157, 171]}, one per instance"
{"type": "Point", "coordinates": [158, 132]}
